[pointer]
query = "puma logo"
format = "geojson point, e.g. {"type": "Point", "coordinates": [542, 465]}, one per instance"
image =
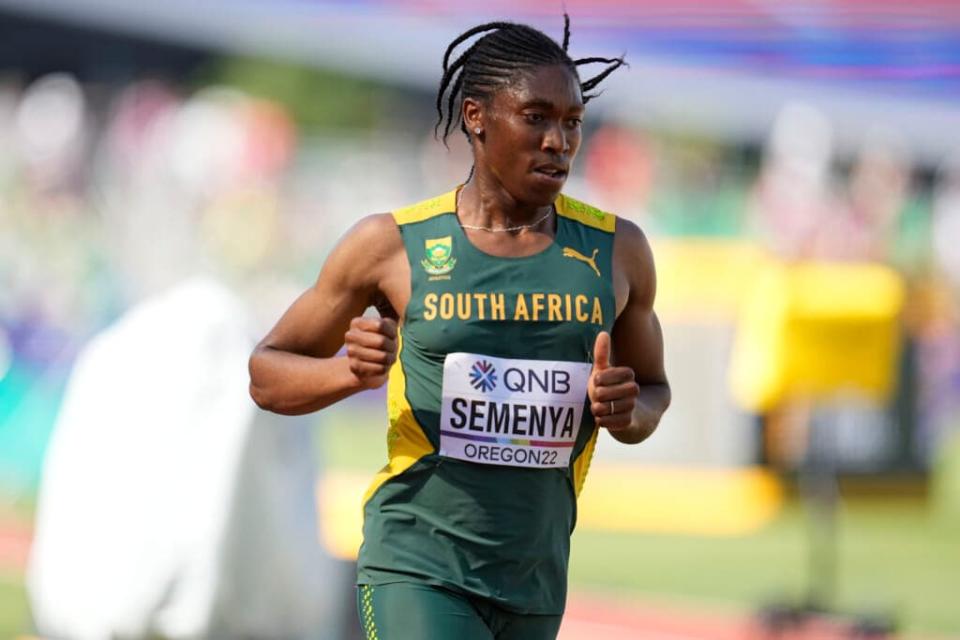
{"type": "Point", "coordinates": [576, 255]}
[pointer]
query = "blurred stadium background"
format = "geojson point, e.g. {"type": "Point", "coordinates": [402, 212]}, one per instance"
{"type": "Point", "coordinates": [796, 164]}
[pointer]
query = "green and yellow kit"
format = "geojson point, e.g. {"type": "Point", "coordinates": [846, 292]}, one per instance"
{"type": "Point", "coordinates": [490, 434]}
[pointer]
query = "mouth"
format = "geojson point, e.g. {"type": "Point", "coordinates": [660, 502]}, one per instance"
{"type": "Point", "coordinates": [551, 172]}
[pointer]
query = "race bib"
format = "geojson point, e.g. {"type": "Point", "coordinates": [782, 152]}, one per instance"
{"type": "Point", "coordinates": [518, 413]}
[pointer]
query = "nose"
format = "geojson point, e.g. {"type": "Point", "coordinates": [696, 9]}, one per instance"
{"type": "Point", "coordinates": [555, 139]}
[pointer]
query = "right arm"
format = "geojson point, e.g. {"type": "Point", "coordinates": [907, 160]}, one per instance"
{"type": "Point", "coordinates": [295, 369]}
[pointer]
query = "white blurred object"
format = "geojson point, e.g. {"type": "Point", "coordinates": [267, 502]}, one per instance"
{"type": "Point", "coordinates": [802, 142]}
{"type": "Point", "coordinates": [50, 118]}
{"type": "Point", "coordinates": [792, 198]}
{"type": "Point", "coordinates": [170, 505]}
{"type": "Point", "coordinates": [946, 221]}
{"type": "Point", "coordinates": [207, 142]}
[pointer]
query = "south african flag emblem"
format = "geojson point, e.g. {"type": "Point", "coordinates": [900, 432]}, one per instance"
{"type": "Point", "coordinates": [439, 260]}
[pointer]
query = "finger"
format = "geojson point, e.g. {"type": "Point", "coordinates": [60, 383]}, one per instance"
{"type": "Point", "coordinates": [373, 382]}
{"type": "Point", "coordinates": [388, 327]}
{"type": "Point", "coordinates": [601, 351]}
{"type": "Point", "coordinates": [383, 326]}
{"type": "Point", "coordinates": [616, 422]}
{"type": "Point", "coordinates": [623, 408]}
{"type": "Point", "coordinates": [622, 391]}
{"type": "Point", "coordinates": [613, 376]}
{"type": "Point", "coordinates": [363, 369]}
{"type": "Point", "coordinates": [370, 340]}
{"type": "Point", "coordinates": [367, 354]}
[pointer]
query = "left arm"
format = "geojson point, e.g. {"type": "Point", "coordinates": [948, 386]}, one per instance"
{"type": "Point", "coordinates": [630, 373]}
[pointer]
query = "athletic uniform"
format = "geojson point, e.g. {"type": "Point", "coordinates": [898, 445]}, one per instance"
{"type": "Point", "coordinates": [490, 430]}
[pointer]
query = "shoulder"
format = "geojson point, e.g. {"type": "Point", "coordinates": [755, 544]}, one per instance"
{"type": "Point", "coordinates": [426, 209]}
{"type": "Point", "coordinates": [633, 259]}
{"type": "Point", "coordinates": [375, 233]}
{"type": "Point", "coordinates": [632, 239]}
{"type": "Point", "coordinates": [585, 214]}
{"type": "Point", "coordinates": [365, 252]}
{"type": "Point", "coordinates": [377, 236]}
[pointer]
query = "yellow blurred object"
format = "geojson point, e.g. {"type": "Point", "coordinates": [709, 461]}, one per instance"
{"type": "Point", "coordinates": [340, 505]}
{"type": "Point", "coordinates": [679, 500]}
{"type": "Point", "coordinates": [814, 330]}
{"type": "Point", "coordinates": [705, 280]}
{"type": "Point", "coordinates": [629, 498]}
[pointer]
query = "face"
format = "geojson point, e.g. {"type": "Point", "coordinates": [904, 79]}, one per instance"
{"type": "Point", "coordinates": [531, 133]}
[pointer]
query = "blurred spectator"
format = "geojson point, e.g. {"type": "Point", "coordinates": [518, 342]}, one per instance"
{"type": "Point", "coordinates": [619, 171]}
{"type": "Point", "coordinates": [937, 323]}
{"type": "Point", "coordinates": [793, 197]}
{"type": "Point", "coordinates": [946, 222]}
{"type": "Point", "coordinates": [801, 213]}
{"type": "Point", "coordinates": [52, 131]}
{"type": "Point", "coordinates": [864, 225]}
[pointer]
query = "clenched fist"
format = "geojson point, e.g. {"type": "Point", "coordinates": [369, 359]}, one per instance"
{"type": "Point", "coordinates": [371, 348]}
{"type": "Point", "coordinates": [612, 390]}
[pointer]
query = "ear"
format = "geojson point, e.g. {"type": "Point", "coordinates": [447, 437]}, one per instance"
{"type": "Point", "coordinates": [472, 114]}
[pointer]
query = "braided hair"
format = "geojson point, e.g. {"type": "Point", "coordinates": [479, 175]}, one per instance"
{"type": "Point", "coordinates": [497, 58]}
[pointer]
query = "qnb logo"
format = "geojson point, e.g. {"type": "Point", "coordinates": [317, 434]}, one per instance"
{"type": "Point", "coordinates": [483, 376]}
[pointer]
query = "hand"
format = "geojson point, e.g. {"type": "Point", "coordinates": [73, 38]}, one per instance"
{"type": "Point", "coordinates": [371, 348]}
{"type": "Point", "coordinates": [612, 390]}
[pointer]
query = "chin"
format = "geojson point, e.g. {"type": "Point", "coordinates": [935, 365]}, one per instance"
{"type": "Point", "coordinates": [543, 195]}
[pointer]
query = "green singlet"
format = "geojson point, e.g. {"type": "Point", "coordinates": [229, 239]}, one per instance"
{"type": "Point", "coordinates": [490, 433]}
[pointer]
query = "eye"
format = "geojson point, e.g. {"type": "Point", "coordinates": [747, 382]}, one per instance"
{"type": "Point", "coordinates": [574, 123]}
{"type": "Point", "coordinates": [533, 117]}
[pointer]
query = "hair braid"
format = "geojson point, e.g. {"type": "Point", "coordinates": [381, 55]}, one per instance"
{"type": "Point", "coordinates": [452, 78]}
{"type": "Point", "coordinates": [451, 103]}
{"type": "Point", "coordinates": [589, 85]}
{"type": "Point", "coordinates": [490, 26]}
{"type": "Point", "coordinates": [505, 50]}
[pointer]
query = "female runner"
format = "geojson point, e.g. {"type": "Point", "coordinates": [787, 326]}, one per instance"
{"type": "Point", "coordinates": [515, 323]}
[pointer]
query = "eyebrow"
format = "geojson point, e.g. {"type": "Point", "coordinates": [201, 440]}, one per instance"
{"type": "Point", "coordinates": [546, 104]}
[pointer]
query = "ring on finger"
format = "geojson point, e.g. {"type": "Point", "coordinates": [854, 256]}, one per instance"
{"type": "Point", "coordinates": [612, 408]}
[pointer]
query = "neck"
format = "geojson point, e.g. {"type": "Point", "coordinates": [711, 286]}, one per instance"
{"type": "Point", "coordinates": [485, 202]}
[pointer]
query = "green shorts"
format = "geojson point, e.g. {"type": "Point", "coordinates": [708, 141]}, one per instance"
{"type": "Point", "coordinates": [408, 611]}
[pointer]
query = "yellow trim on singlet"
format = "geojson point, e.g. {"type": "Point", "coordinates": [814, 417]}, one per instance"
{"type": "Point", "coordinates": [421, 211]}
{"type": "Point", "coordinates": [585, 214]}
{"type": "Point", "coordinates": [566, 206]}
{"type": "Point", "coordinates": [582, 464]}
{"type": "Point", "coordinates": [406, 440]}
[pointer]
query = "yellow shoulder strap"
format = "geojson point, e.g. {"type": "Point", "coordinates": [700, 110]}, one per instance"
{"type": "Point", "coordinates": [585, 214]}
{"type": "Point", "coordinates": [421, 211]}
